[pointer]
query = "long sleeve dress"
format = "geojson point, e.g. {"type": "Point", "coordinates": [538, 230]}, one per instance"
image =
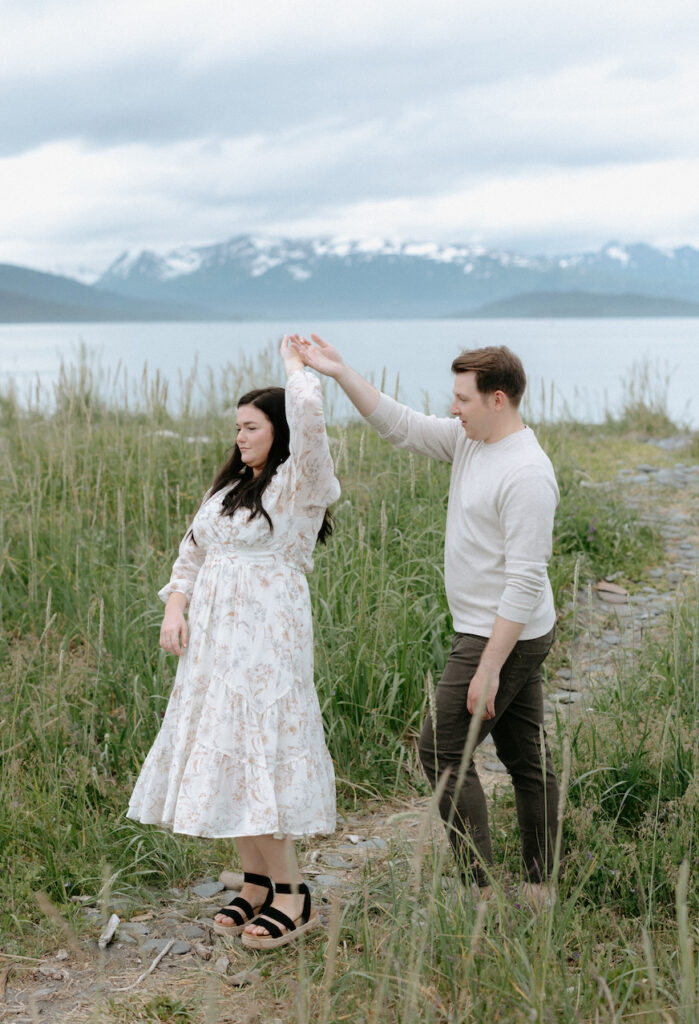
{"type": "Point", "coordinates": [241, 750]}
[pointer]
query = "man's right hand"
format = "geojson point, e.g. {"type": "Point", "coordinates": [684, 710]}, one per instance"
{"type": "Point", "coordinates": [322, 356]}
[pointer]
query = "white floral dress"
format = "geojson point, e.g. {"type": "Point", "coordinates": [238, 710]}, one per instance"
{"type": "Point", "coordinates": [241, 750]}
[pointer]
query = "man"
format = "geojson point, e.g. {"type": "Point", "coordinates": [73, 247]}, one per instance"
{"type": "Point", "coordinates": [502, 500]}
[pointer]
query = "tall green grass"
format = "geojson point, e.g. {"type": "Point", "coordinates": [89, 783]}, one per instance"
{"type": "Point", "coordinates": [95, 495]}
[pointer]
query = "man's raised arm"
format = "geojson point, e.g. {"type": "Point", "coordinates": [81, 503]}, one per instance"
{"type": "Point", "coordinates": [324, 358]}
{"type": "Point", "coordinates": [396, 423]}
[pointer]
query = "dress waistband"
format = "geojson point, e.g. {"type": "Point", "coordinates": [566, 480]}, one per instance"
{"type": "Point", "coordinates": [251, 557]}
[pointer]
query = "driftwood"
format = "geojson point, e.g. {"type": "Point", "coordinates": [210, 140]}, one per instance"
{"type": "Point", "coordinates": [150, 970]}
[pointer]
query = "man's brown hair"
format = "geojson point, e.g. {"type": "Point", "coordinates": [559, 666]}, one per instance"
{"type": "Point", "coordinates": [496, 369]}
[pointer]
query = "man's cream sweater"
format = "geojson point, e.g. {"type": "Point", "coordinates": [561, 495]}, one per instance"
{"type": "Point", "coordinates": [502, 500]}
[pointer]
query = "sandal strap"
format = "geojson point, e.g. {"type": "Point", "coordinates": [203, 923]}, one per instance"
{"type": "Point", "coordinates": [233, 909]}
{"type": "Point", "coordinates": [253, 879]}
{"type": "Point", "coordinates": [297, 888]}
{"type": "Point", "coordinates": [271, 915]}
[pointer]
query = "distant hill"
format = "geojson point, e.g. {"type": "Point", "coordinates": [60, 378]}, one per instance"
{"type": "Point", "coordinates": [31, 296]}
{"type": "Point", "coordinates": [545, 305]}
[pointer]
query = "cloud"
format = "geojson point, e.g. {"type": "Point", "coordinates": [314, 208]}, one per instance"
{"type": "Point", "coordinates": [153, 124]}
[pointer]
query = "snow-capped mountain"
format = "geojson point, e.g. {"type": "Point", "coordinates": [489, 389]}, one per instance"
{"type": "Point", "coordinates": [252, 275]}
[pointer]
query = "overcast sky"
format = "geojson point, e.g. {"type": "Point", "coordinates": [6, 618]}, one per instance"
{"type": "Point", "coordinates": [527, 124]}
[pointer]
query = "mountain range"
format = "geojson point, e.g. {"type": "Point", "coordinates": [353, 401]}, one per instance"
{"type": "Point", "coordinates": [250, 277]}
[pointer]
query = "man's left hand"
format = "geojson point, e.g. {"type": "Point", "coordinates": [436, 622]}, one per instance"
{"type": "Point", "coordinates": [487, 680]}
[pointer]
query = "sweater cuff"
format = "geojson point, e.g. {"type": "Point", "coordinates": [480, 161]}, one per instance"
{"type": "Point", "coordinates": [382, 416]}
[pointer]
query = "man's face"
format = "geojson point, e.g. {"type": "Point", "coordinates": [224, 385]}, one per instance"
{"type": "Point", "coordinates": [475, 410]}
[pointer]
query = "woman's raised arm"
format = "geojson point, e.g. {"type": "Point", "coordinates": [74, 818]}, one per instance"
{"type": "Point", "coordinates": [325, 358]}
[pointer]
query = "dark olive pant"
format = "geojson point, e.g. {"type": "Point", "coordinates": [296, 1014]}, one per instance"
{"type": "Point", "coordinates": [517, 731]}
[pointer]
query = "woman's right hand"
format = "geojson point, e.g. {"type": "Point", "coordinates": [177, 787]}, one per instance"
{"type": "Point", "coordinates": [174, 632]}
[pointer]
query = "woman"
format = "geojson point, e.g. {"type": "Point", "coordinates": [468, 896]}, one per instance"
{"type": "Point", "coordinates": [241, 751]}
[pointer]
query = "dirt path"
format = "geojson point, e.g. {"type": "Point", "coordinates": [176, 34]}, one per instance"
{"type": "Point", "coordinates": [83, 983]}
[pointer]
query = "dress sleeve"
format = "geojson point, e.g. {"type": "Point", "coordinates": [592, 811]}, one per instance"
{"type": "Point", "coordinates": [185, 570]}
{"type": "Point", "coordinates": [424, 435]}
{"type": "Point", "coordinates": [309, 451]}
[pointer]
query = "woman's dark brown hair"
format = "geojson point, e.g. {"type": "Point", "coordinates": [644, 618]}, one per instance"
{"type": "Point", "coordinates": [249, 490]}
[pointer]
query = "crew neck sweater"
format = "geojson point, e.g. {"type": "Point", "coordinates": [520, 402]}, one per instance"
{"type": "Point", "coordinates": [502, 501]}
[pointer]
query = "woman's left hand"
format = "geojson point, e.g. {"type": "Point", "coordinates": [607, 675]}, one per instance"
{"type": "Point", "coordinates": [292, 360]}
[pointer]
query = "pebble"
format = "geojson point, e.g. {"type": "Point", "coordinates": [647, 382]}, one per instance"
{"type": "Point", "coordinates": [133, 928]}
{"type": "Point", "coordinates": [565, 697]}
{"type": "Point", "coordinates": [244, 977]}
{"type": "Point", "coordinates": [573, 685]}
{"type": "Point", "coordinates": [207, 889]}
{"type": "Point", "coordinates": [376, 842]}
{"type": "Point", "coordinates": [158, 945]}
{"type": "Point", "coordinates": [333, 860]}
{"type": "Point", "coordinates": [330, 881]}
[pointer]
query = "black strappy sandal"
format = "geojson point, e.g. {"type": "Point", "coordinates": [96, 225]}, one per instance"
{"type": "Point", "coordinates": [270, 918]}
{"type": "Point", "coordinates": [240, 911]}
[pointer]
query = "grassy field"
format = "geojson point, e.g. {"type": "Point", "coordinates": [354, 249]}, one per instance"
{"type": "Point", "coordinates": [94, 499]}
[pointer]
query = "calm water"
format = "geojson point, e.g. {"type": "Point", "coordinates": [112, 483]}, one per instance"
{"type": "Point", "coordinates": [584, 366]}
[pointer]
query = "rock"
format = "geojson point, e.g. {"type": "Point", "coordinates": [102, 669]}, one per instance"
{"type": "Point", "coordinates": [610, 638]}
{"type": "Point", "coordinates": [208, 889]}
{"type": "Point", "coordinates": [180, 948]}
{"type": "Point", "coordinates": [222, 964]}
{"type": "Point", "coordinates": [244, 977]}
{"type": "Point", "coordinates": [55, 973]}
{"type": "Point", "coordinates": [108, 932]}
{"type": "Point", "coordinates": [564, 673]}
{"type": "Point", "coordinates": [495, 766]}
{"type": "Point", "coordinates": [202, 951]}
{"type": "Point", "coordinates": [376, 842]}
{"type": "Point", "coordinates": [192, 931]}
{"type": "Point", "coordinates": [44, 993]}
{"type": "Point", "coordinates": [62, 954]}
{"type": "Point", "coordinates": [333, 860]}
{"type": "Point", "coordinates": [573, 685]}
{"type": "Point", "coordinates": [133, 928]}
{"type": "Point", "coordinates": [158, 945]}
{"type": "Point", "coordinates": [330, 881]}
{"type": "Point", "coordinates": [231, 880]}
{"type": "Point", "coordinates": [565, 697]}
{"type": "Point", "coordinates": [353, 838]}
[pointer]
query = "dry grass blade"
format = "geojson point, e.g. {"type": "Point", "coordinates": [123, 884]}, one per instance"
{"type": "Point", "coordinates": [47, 908]}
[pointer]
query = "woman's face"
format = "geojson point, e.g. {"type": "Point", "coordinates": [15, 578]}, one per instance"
{"type": "Point", "coordinates": [255, 436]}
